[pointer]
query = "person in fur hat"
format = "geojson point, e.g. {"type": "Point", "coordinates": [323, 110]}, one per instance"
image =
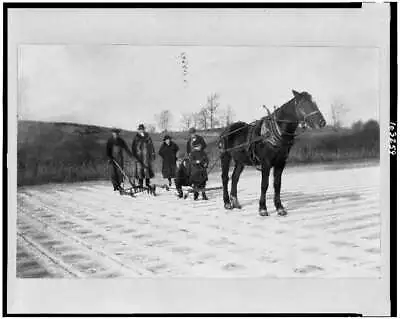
{"type": "Point", "coordinates": [194, 139]}
{"type": "Point", "coordinates": [199, 162]}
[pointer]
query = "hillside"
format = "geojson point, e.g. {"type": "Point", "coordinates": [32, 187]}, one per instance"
{"type": "Point", "coordinates": [59, 152]}
{"type": "Point", "coordinates": [67, 152]}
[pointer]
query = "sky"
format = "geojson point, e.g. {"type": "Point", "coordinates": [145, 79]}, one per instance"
{"type": "Point", "coordinates": [124, 85]}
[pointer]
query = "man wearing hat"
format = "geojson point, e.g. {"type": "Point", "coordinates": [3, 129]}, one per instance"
{"type": "Point", "coordinates": [168, 151]}
{"type": "Point", "coordinates": [114, 150]}
{"type": "Point", "coordinates": [144, 153]}
{"type": "Point", "coordinates": [195, 139]}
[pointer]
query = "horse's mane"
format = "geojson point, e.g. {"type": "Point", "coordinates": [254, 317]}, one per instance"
{"type": "Point", "coordinates": [282, 107]}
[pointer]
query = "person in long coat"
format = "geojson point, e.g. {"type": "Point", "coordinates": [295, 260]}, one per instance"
{"type": "Point", "coordinates": [144, 153]}
{"type": "Point", "coordinates": [115, 152]}
{"type": "Point", "coordinates": [195, 139]}
{"type": "Point", "coordinates": [168, 151]}
{"type": "Point", "coordinates": [199, 162]}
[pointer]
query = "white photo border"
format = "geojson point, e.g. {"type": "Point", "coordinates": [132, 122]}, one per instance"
{"type": "Point", "coordinates": [127, 296]}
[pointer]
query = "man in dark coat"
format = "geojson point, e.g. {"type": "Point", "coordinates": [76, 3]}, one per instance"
{"type": "Point", "coordinates": [168, 151]}
{"type": "Point", "coordinates": [114, 149]}
{"type": "Point", "coordinates": [195, 139]}
{"type": "Point", "coordinates": [143, 150]}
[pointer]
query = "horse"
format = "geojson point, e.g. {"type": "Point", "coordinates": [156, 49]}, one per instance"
{"type": "Point", "coordinates": [265, 143]}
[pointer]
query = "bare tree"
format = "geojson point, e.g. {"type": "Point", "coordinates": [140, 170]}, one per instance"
{"type": "Point", "coordinates": [151, 128]}
{"type": "Point", "coordinates": [230, 115]}
{"type": "Point", "coordinates": [212, 108]}
{"type": "Point", "coordinates": [164, 120]}
{"type": "Point", "coordinates": [227, 116]}
{"type": "Point", "coordinates": [186, 120]}
{"type": "Point", "coordinates": [338, 110]}
{"type": "Point", "coordinates": [203, 117]}
{"type": "Point", "coordinates": [217, 122]}
{"type": "Point", "coordinates": [195, 119]}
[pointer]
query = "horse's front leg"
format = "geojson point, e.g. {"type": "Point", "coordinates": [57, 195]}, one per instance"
{"type": "Point", "coordinates": [262, 209]}
{"type": "Point", "coordinates": [225, 162]}
{"type": "Point", "coordinates": [277, 189]}
{"type": "Point", "coordinates": [235, 180]}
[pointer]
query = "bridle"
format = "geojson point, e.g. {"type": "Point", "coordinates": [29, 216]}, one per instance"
{"type": "Point", "coordinates": [302, 121]}
{"type": "Point", "coordinates": [301, 115]}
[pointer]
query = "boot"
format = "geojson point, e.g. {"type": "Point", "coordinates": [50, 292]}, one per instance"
{"type": "Point", "coordinates": [196, 196]}
{"type": "Point", "coordinates": [148, 186]}
{"type": "Point", "coordinates": [169, 182]}
{"type": "Point", "coordinates": [203, 194]}
{"type": "Point", "coordinates": [140, 184]}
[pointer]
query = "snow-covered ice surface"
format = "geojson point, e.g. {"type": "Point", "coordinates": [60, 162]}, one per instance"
{"type": "Point", "coordinates": [87, 230]}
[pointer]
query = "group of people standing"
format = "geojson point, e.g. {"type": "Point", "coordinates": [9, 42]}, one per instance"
{"type": "Point", "coordinates": [143, 153]}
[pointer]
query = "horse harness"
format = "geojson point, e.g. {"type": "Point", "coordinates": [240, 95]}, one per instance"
{"type": "Point", "coordinates": [267, 131]}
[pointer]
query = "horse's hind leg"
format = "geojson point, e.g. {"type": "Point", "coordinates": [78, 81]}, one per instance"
{"type": "Point", "coordinates": [264, 187]}
{"type": "Point", "coordinates": [225, 162]}
{"type": "Point", "coordinates": [235, 180]}
{"type": "Point", "coordinates": [277, 189]}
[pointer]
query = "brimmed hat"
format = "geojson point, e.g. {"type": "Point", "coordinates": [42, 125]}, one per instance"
{"type": "Point", "coordinates": [141, 127]}
{"type": "Point", "coordinates": [115, 130]}
{"type": "Point", "coordinates": [166, 137]}
{"type": "Point", "coordinates": [192, 130]}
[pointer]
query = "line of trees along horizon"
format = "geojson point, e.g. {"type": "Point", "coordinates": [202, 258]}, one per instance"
{"type": "Point", "coordinates": [211, 116]}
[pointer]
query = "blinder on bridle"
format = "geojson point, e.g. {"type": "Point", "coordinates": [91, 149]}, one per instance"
{"type": "Point", "coordinates": [307, 119]}
{"type": "Point", "coordinates": [303, 122]}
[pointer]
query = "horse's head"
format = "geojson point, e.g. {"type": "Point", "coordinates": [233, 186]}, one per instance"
{"type": "Point", "coordinates": [307, 110]}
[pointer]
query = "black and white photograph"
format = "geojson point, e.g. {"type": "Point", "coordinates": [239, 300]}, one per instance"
{"type": "Point", "coordinates": [196, 152]}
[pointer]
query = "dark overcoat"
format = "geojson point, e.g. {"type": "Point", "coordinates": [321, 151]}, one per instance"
{"type": "Point", "coordinates": [115, 152]}
{"type": "Point", "coordinates": [192, 170]}
{"type": "Point", "coordinates": [198, 167]}
{"type": "Point", "coordinates": [143, 150]}
{"type": "Point", "coordinates": [168, 155]}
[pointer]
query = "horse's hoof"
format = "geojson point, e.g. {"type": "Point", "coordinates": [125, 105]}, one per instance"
{"type": "Point", "coordinates": [281, 212]}
{"type": "Point", "coordinates": [263, 212]}
{"type": "Point", "coordinates": [235, 203]}
{"type": "Point", "coordinates": [228, 206]}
